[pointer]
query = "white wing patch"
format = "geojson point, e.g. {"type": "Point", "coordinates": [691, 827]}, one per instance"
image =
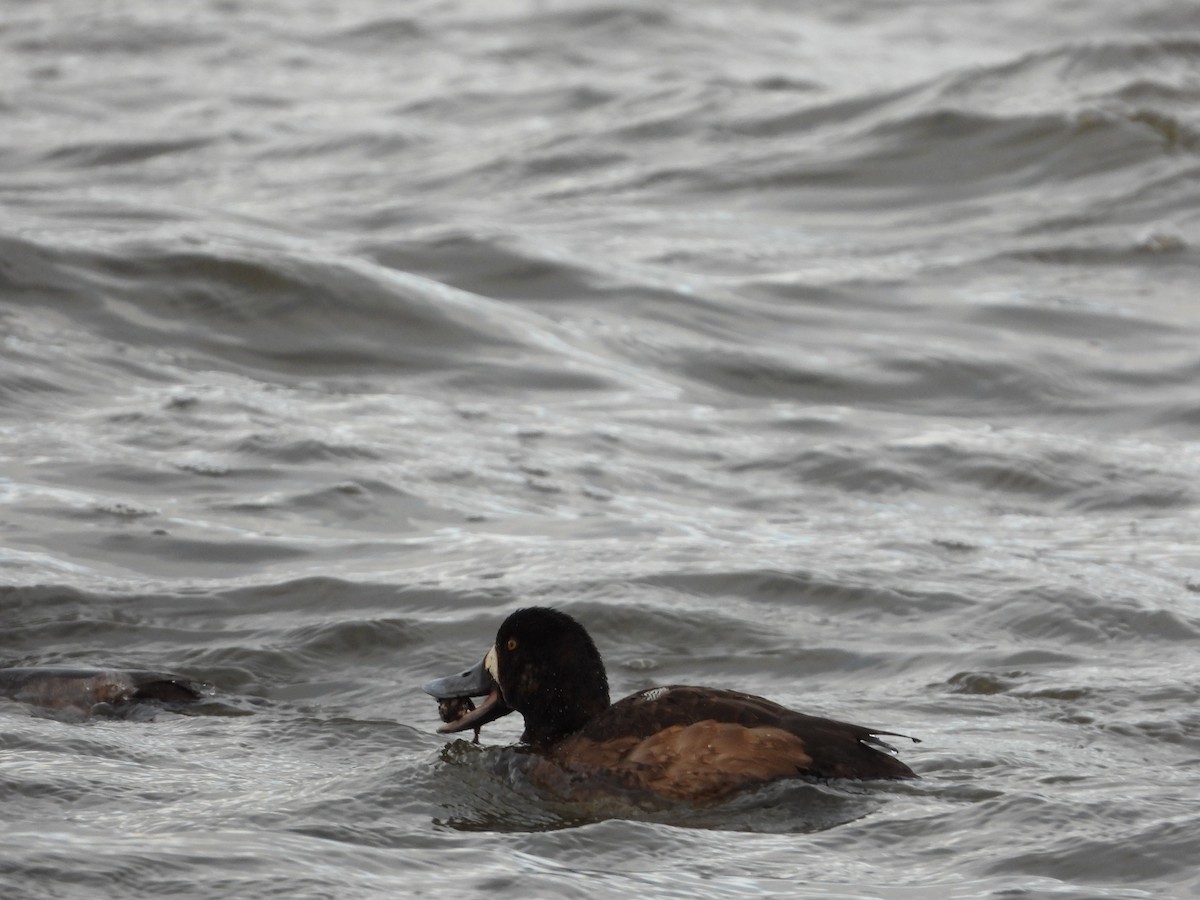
{"type": "Point", "coordinates": [653, 694]}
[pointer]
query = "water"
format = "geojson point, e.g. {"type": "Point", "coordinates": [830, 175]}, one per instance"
{"type": "Point", "coordinates": [841, 353]}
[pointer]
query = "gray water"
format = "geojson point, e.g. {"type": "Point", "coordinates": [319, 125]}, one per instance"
{"type": "Point", "coordinates": [844, 353]}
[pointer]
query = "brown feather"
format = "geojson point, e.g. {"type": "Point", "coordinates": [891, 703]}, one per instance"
{"type": "Point", "coordinates": [698, 762]}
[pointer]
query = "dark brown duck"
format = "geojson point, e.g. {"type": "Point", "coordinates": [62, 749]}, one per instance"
{"type": "Point", "coordinates": [88, 690]}
{"type": "Point", "coordinates": [677, 741]}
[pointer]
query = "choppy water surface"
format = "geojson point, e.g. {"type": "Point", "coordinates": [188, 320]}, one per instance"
{"type": "Point", "coordinates": [842, 353]}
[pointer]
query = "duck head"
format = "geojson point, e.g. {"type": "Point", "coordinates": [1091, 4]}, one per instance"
{"type": "Point", "coordinates": [543, 665]}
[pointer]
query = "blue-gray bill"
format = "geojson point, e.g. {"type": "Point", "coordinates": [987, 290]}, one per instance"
{"type": "Point", "coordinates": [474, 682]}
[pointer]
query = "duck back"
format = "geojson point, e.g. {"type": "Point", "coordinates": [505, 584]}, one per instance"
{"type": "Point", "coordinates": [699, 744]}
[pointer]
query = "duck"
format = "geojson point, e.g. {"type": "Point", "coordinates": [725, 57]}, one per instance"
{"type": "Point", "coordinates": [675, 742]}
{"type": "Point", "coordinates": [89, 691]}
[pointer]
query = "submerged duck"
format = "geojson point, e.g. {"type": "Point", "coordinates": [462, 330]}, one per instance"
{"type": "Point", "coordinates": [88, 691]}
{"type": "Point", "coordinates": [677, 742]}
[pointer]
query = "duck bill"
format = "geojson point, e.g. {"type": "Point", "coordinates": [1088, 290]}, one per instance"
{"type": "Point", "coordinates": [475, 682]}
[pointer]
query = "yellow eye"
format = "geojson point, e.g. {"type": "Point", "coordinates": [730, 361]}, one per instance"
{"type": "Point", "coordinates": [512, 644]}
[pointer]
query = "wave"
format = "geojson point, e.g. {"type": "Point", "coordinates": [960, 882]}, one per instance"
{"type": "Point", "coordinates": [285, 314]}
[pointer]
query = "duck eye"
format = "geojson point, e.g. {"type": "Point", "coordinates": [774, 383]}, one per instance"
{"type": "Point", "coordinates": [512, 644]}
